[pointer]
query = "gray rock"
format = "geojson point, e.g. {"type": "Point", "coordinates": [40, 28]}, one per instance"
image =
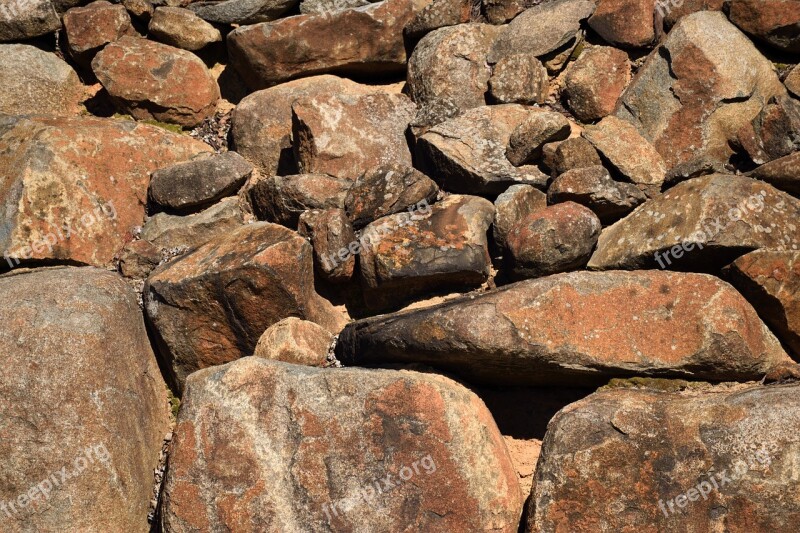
{"type": "Point", "coordinates": [176, 234]}
{"type": "Point", "coordinates": [242, 11]}
{"type": "Point", "coordinates": [321, 7]}
{"type": "Point", "coordinates": [25, 19]}
{"type": "Point", "coordinates": [519, 79]}
{"type": "Point", "coordinates": [283, 199]}
{"type": "Point", "coordinates": [439, 14]}
{"type": "Point", "coordinates": [182, 28]}
{"type": "Point", "coordinates": [593, 187]}
{"type": "Point", "coordinates": [331, 235]}
{"type": "Point", "coordinates": [527, 139]}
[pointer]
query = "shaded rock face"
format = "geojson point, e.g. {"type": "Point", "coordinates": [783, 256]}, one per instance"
{"type": "Point", "coordinates": [35, 82]}
{"type": "Point", "coordinates": [295, 341]}
{"type": "Point", "coordinates": [575, 329]}
{"type": "Point", "coordinates": [426, 248]}
{"type": "Point", "coordinates": [528, 138]}
{"type": "Point", "coordinates": [626, 23]}
{"type": "Point", "coordinates": [138, 259]}
{"type": "Point", "coordinates": [24, 19]}
{"type": "Point", "coordinates": [182, 233]}
{"type": "Point", "coordinates": [241, 11]}
{"type": "Point", "coordinates": [262, 122]}
{"type": "Point", "coordinates": [782, 173]}
{"type": "Point", "coordinates": [593, 187]}
{"type": "Point", "coordinates": [57, 198]}
{"type": "Point", "coordinates": [330, 233]}
{"type": "Point", "coordinates": [341, 135]}
{"type": "Point", "coordinates": [416, 452]}
{"type": "Point", "coordinates": [770, 280]}
{"type": "Point", "coordinates": [181, 28]}
{"type": "Point", "coordinates": [574, 153]}
{"type": "Point", "coordinates": [267, 275]}
{"type": "Point", "coordinates": [775, 22]}
{"type": "Point", "coordinates": [468, 154]}
{"type": "Point", "coordinates": [703, 223]}
{"type": "Point", "coordinates": [80, 394]}
{"type": "Point", "coordinates": [90, 28]}
{"type": "Point", "coordinates": [698, 88]}
{"type": "Point", "coordinates": [148, 80]}
{"type": "Point", "coordinates": [704, 460]}
{"type": "Point", "coordinates": [275, 52]}
{"type": "Point", "coordinates": [774, 132]}
{"type": "Point", "coordinates": [283, 199]}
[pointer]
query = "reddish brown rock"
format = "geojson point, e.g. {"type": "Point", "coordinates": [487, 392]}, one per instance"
{"type": "Point", "coordinates": [701, 224]}
{"type": "Point", "coordinates": [92, 27]}
{"type": "Point", "coordinates": [519, 79]}
{"type": "Point", "coordinates": [574, 153]}
{"type": "Point", "coordinates": [295, 341]}
{"type": "Point", "coordinates": [75, 189]}
{"type": "Point", "coordinates": [574, 329]}
{"type": "Point", "coordinates": [371, 450]}
{"type": "Point", "coordinates": [283, 199]}
{"type": "Point", "coordinates": [538, 129]}
{"type": "Point", "coordinates": [556, 239]}
{"type": "Point", "coordinates": [274, 52]}
{"type": "Point", "coordinates": [595, 81]}
{"type": "Point", "coordinates": [774, 132]}
{"type": "Point", "coordinates": [138, 259]}
{"type": "Point", "coordinates": [697, 90]}
{"type": "Point", "coordinates": [775, 22]}
{"type": "Point", "coordinates": [593, 187]}
{"type": "Point", "coordinates": [707, 459]}
{"type": "Point", "coordinates": [513, 205]}
{"type": "Point", "coordinates": [502, 11]}
{"type": "Point", "coordinates": [344, 135]}
{"type": "Point", "coordinates": [83, 452]}
{"type": "Point", "coordinates": [149, 80]}
{"type": "Point", "coordinates": [783, 173]}
{"type": "Point", "coordinates": [626, 23]}
{"type": "Point", "coordinates": [770, 280]}
{"type": "Point", "coordinates": [331, 236]}
{"type": "Point", "coordinates": [426, 248]}
{"type": "Point", "coordinates": [267, 272]}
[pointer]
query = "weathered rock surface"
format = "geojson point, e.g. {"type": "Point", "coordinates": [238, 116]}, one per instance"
{"type": "Point", "coordinates": [386, 190]}
{"type": "Point", "coordinates": [698, 88]}
{"type": "Point", "coordinates": [439, 14]}
{"type": "Point", "coordinates": [74, 189]}
{"type": "Point", "coordinates": [674, 11]}
{"type": "Point", "coordinates": [555, 239]}
{"type": "Point", "coordinates": [516, 203]}
{"type": "Point", "coordinates": [572, 154]}
{"type": "Point", "coordinates": [295, 341]}
{"type": "Point", "coordinates": [580, 328]}
{"type": "Point", "coordinates": [519, 79]}
{"type": "Point", "coordinates": [267, 273]}
{"type": "Point", "coordinates": [138, 258]}
{"type": "Point", "coordinates": [36, 82]}
{"type": "Point", "coordinates": [467, 154]}
{"type": "Point", "coordinates": [80, 395]}
{"type": "Point", "coordinates": [241, 12]}
{"type": "Point", "coordinates": [448, 67]}
{"type": "Point", "coordinates": [431, 247]}
{"type": "Point", "coordinates": [179, 234]}
{"type": "Point", "coordinates": [283, 199]}
{"type": "Point", "coordinates": [343, 135]}
{"type": "Point", "coordinates": [701, 460]}
{"type": "Point", "coordinates": [275, 52]}
{"type": "Point", "coordinates": [783, 173]}
{"type": "Point", "coordinates": [90, 28]}
{"type": "Point", "coordinates": [527, 139]}
{"type": "Point", "coordinates": [416, 452]}
{"type": "Point", "coordinates": [703, 223]}
{"type": "Point", "coordinates": [182, 28]}
{"type": "Point", "coordinates": [775, 22]}
{"type": "Point", "coordinates": [770, 280]}
{"type": "Point", "coordinates": [595, 81]}
{"type": "Point", "coordinates": [628, 152]}
{"type": "Point", "coordinates": [331, 236]}
{"type": "Point", "coordinates": [502, 11]}
{"type": "Point", "coordinates": [195, 184]}
{"type": "Point", "coordinates": [774, 132]}
{"type": "Point", "coordinates": [149, 80]}
{"type": "Point", "coordinates": [24, 19]}
{"type": "Point", "coordinates": [321, 7]}
{"type": "Point", "coordinates": [792, 81]}
{"type": "Point", "coordinates": [626, 23]}
{"type": "Point", "coordinates": [593, 187]}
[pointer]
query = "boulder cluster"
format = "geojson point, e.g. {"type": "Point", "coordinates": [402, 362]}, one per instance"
{"type": "Point", "coordinates": [400, 266]}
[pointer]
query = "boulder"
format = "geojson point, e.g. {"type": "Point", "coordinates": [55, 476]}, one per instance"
{"type": "Point", "coordinates": [241, 12]}
{"type": "Point", "coordinates": [386, 190]}
{"type": "Point", "coordinates": [528, 138]}
{"type": "Point", "coordinates": [84, 405]}
{"type": "Point", "coordinates": [576, 329]}
{"type": "Point", "coordinates": [448, 67]}
{"type": "Point", "coordinates": [701, 224]}
{"type": "Point", "coordinates": [75, 189]}
{"type": "Point", "coordinates": [698, 88]}
{"type": "Point", "coordinates": [370, 450]}
{"type": "Point", "coordinates": [267, 274]}
{"type": "Point", "coordinates": [672, 10]}
{"type": "Point", "coordinates": [439, 14]}
{"type": "Point", "coordinates": [516, 203]}
{"type": "Point", "coordinates": [782, 173]}
{"type": "Point", "coordinates": [467, 154]}
{"type": "Point", "coordinates": [90, 28]}
{"type": "Point", "coordinates": [182, 28]}
{"type": "Point", "coordinates": [542, 29]}
{"type": "Point", "coordinates": [176, 234]}
{"type": "Point", "coordinates": [426, 248]}
{"type": "Point", "coordinates": [37, 82]}
{"type": "Point", "coordinates": [555, 239]}
{"type": "Point", "coordinates": [295, 341]}
{"type": "Point", "coordinates": [572, 154]}
{"type": "Point", "coordinates": [148, 80]}
{"type": "Point", "coordinates": [706, 459]}
{"type": "Point", "coordinates": [593, 187]}
{"type": "Point", "coordinates": [344, 135]}
{"type": "Point", "coordinates": [775, 22]}
{"type": "Point", "coordinates": [770, 280]}
{"type": "Point", "coordinates": [625, 23]}
{"type": "Point", "coordinates": [283, 199]}
{"type": "Point", "coordinates": [274, 52]}
{"type": "Point", "coordinates": [595, 81]}
{"type": "Point", "coordinates": [774, 132]}
{"type": "Point", "coordinates": [199, 183]}
{"type": "Point", "coordinates": [331, 235]}
{"type": "Point", "coordinates": [138, 258]}
{"type": "Point", "coordinates": [140, 9]}
{"type": "Point", "coordinates": [25, 19]}
{"type": "Point", "coordinates": [322, 7]}
{"type": "Point", "coordinates": [502, 11]}
{"type": "Point", "coordinates": [519, 79]}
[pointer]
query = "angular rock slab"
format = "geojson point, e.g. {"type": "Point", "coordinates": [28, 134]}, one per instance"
{"type": "Point", "coordinates": [776, 22]}
{"type": "Point", "coordinates": [80, 390]}
{"type": "Point", "coordinates": [701, 224]}
{"type": "Point", "coordinates": [283, 199]}
{"type": "Point", "coordinates": [782, 173]}
{"type": "Point", "coordinates": [178, 233]}
{"type": "Point", "coordinates": [698, 88]}
{"type": "Point", "coordinates": [241, 11]}
{"type": "Point", "coordinates": [90, 28]}
{"type": "Point", "coordinates": [575, 329]}
{"type": "Point", "coordinates": [254, 434]}
{"type": "Point", "coordinates": [274, 52]}
{"type": "Point", "coordinates": [640, 458]}
{"type": "Point", "coordinates": [770, 280]}
{"type": "Point", "coordinates": [211, 305]}
{"type": "Point", "coordinates": [89, 174]}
